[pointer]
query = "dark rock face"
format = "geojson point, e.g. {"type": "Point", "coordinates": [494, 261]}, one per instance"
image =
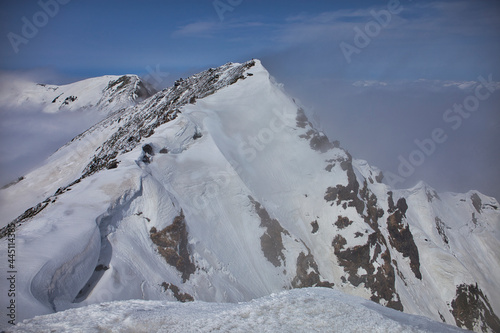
{"type": "Point", "coordinates": [346, 195]}
{"type": "Point", "coordinates": [147, 153]}
{"type": "Point", "coordinates": [431, 195]}
{"type": "Point", "coordinates": [120, 82]}
{"type": "Point", "coordinates": [474, 219]}
{"type": "Point", "coordinates": [476, 202]}
{"type": "Point", "coordinates": [374, 257]}
{"type": "Point", "coordinates": [181, 297]}
{"type": "Point", "coordinates": [172, 244]}
{"type": "Point", "coordinates": [338, 243]}
{"type": "Point", "coordinates": [471, 309]}
{"type": "Point", "coordinates": [101, 267]}
{"type": "Point", "coordinates": [308, 273]}
{"type": "Point", "coordinates": [343, 222]}
{"type": "Point", "coordinates": [315, 227]}
{"type": "Point", "coordinates": [441, 229]}
{"type": "Point", "coordinates": [113, 164]}
{"type": "Point", "coordinates": [401, 237]}
{"type": "Point", "coordinates": [301, 119]}
{"type": "Point", "coordinates": [139, 91]}
{"type": "Point", "coordinates": [29, 213]}
{"type": "Point", "coordinates": [69, 99]}
{"type": "Point", "coordinates": [55, 99]}
{"type": "Point", "coordinates": [380, 280]}
{"type": "Point", "coordinates": [271, 241]}
{"type": "Point", "coordinates": [147, 149]}
{"type": "Point", "coordinates": [317, 140]}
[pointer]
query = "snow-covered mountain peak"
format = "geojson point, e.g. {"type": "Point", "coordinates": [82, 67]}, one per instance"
{"type": "Point", "coordinates": [220, 189]}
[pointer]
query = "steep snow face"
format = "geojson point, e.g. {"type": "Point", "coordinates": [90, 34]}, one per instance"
{"type": "Point", "coordinates": [104, 93]}
{"type": "Point", "coordinates": [97, 148]}
{"type": "Point", "coordinates": [219, 189]}
{"type": "Point", "coordinates": [304, 310]}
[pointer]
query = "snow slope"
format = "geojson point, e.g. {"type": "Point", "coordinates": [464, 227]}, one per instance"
{"type": "Point", "coordinates": [106, 92]}
{"type": "Point", "coordinates": [219, 189]}
{"type": "Point", "coordinates": [300, 310]}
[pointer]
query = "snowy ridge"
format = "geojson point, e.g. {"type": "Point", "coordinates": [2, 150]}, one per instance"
{"type": "Point", "coordinates": [219, 189]}
{"type": "Point", "coordinates": [121, 131]}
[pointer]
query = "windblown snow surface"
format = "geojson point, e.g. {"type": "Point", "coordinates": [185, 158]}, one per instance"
{"type": "Point", "coordinates": [299, 310]}
{"type": "Point", "coordinates": [219, 189]}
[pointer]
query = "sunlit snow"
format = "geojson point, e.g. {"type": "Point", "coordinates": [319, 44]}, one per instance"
{"type": "Point", "coordinates": [300, 310]}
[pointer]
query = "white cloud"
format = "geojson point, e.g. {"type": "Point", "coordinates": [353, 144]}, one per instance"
{"type": "Point", "coordinates": [197, 29]}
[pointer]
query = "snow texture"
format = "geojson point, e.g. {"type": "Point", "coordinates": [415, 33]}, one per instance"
{"type": "Point", "coordinates": [300, 310]}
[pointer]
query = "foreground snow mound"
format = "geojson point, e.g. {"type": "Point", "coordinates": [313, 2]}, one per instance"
{"type": "Point", "coordinates": [300, 310]}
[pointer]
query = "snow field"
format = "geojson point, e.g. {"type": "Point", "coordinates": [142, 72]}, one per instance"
{"type": "Point", "coordinates": [300, 310]}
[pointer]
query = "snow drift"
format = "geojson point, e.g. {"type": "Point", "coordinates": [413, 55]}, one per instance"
{"type": "Point", "coordinates": [300, 310]}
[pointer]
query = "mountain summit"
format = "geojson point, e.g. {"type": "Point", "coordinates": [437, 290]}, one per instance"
{"type": "Point", "coordinates": [219, 189]}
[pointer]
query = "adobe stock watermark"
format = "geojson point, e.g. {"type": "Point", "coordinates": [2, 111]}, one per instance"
{"type": "Point", "coordinates": [250, 147]}
{"type": "Point", "coordinates": [11, 273]}
{"type": "Point", "coordinates": [216, 183]}
{"type": "Point", "coordinates": [248, 150]}
{"type": "Point", "coordinates": [156, 77]}
{"type": "Point", "coordinates": [206, 204]}
{"type": "Point", "coordinates": [363, 37]}
{"type": "Point", "coordinates": [126, 276]}
{"type": "Point", "coordinates": [30, 27]}
{"type": "Point", "coordinates": [453, 118]}
{"type": "Point", "coordinates": [223, 6]}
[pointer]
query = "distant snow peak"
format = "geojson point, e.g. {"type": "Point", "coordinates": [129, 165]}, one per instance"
{"type": "Point", "coordinates": [94, 94]}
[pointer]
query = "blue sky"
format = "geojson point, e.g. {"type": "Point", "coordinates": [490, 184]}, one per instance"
{"type": "Point", "coordinates": [410, 59]}
{"type": "Point", "coordinates": [426, 39]}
